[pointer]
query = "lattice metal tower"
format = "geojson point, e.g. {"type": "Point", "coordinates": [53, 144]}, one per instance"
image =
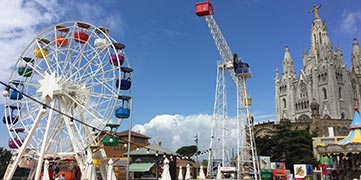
{"type": "Point", "coordinates": [239, 72]}
{"type": "Point", "coordinates": [220, 145]}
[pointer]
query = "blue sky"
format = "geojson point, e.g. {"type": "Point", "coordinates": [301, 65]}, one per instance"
{"type": "Point", "coordinates": [174, 57]}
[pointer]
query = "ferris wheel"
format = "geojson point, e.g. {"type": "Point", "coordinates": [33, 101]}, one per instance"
{"type": "Point", "coordinates": [72, 80]}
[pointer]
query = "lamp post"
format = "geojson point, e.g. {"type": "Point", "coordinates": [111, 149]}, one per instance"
{"type": "Point", "coordinates": [196, 141]}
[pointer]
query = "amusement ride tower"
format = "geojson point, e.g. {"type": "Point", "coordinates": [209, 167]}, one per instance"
{"type": "Point", "coordinates": [246, 158]}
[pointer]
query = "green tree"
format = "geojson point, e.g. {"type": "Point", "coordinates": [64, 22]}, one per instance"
{"type": "Point", "coordinates": [287, 145]}
{"type": "Point", "coordinates": [187, 150]}
{"type": "Point", "coordinates": [5, 156]}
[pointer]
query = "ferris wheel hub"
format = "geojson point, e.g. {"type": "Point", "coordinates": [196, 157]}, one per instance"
{"type": "Point", "coordinates": [53, 86]}
{"type": "Point", "coordinates": [49, 85]}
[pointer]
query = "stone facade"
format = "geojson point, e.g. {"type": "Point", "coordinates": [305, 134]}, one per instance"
{"type": "Point", "coordinates": [324, 79]}
{"type": "Point", "coordinates": [315, 124]}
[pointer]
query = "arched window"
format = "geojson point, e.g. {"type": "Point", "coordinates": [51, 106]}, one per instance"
{"type": "Point", "coordinates": [304, 118]}
{"type": "Point", "coordinates": [324, 93]}
{"type": "Point", "coordinates": [314, 38]}
{"type": "Point", "coordinates": [284, 103]}
{"type": "Point", "coordinates": [320, 37]}
{"type": "Point", "coordinates": [340, 92]}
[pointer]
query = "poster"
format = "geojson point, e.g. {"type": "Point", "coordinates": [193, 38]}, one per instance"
{"type": "Point", "coordinates": [265, 162]}
{"type": "Point", "coordinates": [300, 170]}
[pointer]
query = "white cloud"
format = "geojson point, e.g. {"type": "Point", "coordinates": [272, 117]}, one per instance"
{"type": "Point", "coordinates": [351, 22]}
{"type": "Point", "coordinates": [175, 131]}
{"type": "Point", "coordinates": [263, 117]}
{"type": "Point", "coordinates": [21, 21]}
{"type": "Point", "coordinates": [19, 24]}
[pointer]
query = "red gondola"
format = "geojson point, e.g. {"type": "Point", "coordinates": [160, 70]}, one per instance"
{"type": "Point", "coordinates": [204, 8]}
{"type": "Point", "coordinates": [80, 36]}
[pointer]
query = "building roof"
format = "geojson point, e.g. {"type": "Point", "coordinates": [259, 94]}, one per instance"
{"type": "Point", "coordinates": [134, 134]}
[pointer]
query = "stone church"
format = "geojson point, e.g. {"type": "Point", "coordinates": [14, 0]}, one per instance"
{"type": "Point", "coordinates": [324, 81]}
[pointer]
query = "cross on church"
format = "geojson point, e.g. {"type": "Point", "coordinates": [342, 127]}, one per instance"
{"type": "Point", "coordinates": [315, 11]}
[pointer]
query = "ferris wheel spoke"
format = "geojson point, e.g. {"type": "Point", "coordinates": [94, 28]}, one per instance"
{"type": "Point", "coordinates": [88, 70]}
{"type": "Point", "coordinates": [100, 95]}
{"type": "Point", "coordinates": [92, 113]}
{"type": "Point", "coordinates": [67, 59]}
{"type": "Point", "coordinates": [91, 75]}
{"type": "Point", "coordinates": [42, 49]}
{"type": "Point", "coordinates": [83, 69]}
{"type": "Point", "coordinates": [79, 56]}
{"type": "Point", "coordinates": [97, 82]}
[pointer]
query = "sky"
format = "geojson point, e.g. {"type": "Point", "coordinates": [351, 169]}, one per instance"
{"type": "Point", "coordinates": [174, 57]}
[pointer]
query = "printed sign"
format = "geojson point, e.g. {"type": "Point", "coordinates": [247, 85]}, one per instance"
{"type": "Point", "coordinates": [300, 170]}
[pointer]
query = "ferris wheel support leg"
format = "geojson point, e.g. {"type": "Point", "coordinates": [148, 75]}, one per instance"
{"type": "Point", "coordinates": [79, 156]}
{"type": "Point", "coordinates": [44, 145]}
{"type": "Point", "coordinates": [11, 169]}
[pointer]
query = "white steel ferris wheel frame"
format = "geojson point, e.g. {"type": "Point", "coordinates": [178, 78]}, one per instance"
{"type": "Point", "coordinates": [71, 93]}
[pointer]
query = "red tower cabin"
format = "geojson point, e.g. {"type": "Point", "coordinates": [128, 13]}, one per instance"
{"type": "Point", "coordinates": [204, 9]}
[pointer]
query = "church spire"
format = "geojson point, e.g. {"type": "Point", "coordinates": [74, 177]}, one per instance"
{"type": "Point", "coordinates": [320, 42]}
{"type": "Point", "coordinates": [355, 56]}
{"type": "Point", "coordinates": [304, 57]}
{"type": "Point", "coordinates": [287, 65]}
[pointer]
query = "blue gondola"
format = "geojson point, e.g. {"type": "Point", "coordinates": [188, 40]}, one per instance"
{"type": "Point", "coordinates": [123, 111]}
{"type": "Point", "coordinates": [15, 95]}
{"type": "Point", "coordinates": [126, 82]}
{"type": "Point", "coordinates": [11, 119]}
{"type": "Point", "coordinates": [241, 68]}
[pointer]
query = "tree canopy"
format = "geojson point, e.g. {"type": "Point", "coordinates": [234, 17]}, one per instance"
{"type": "Point", "coordinates": [5, 156]}
{"type": "Point", "coordinates": [287, 145]}
{"type": "Point", "coordinates": [187, 150]}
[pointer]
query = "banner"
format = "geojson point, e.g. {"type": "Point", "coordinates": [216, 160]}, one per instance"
{"type": "Point", "coordinates": [323, 168]}
{"type": "Point", "coordinates": [278, 165]}
{"type": "Point", "coordinates": [309, 169]}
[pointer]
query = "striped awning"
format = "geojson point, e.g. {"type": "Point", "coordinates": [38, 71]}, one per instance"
{"type": "Point", "coordinates": [354, 136]}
